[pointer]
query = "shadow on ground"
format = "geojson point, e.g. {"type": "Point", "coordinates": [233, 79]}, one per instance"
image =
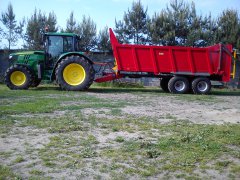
{"type": "Point", "coordinates": [217, 92]}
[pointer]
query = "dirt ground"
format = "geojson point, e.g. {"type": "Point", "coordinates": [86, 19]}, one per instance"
{"type": "Point", "coordinates": [223, 109]}
{"type": "Point", "coordinates": [28, 142]}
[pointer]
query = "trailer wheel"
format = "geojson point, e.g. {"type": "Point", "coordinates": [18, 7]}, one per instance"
{"type": "Point", "coordinates": [18, 77]}
{"type": "Point", "coordinates": [178, 85]}
{"type": "Point", "coordinates": [74, 73]}
{"type": "Point", "coordinates": [164, 84]}
{"type": "Point", "coordinates": [201, 86]}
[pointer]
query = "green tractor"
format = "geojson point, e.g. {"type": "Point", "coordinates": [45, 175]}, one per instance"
{"type": "Point", "coordinates": [61, 61]}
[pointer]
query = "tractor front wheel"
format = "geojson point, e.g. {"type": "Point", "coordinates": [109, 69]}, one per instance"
{"type": "Point", "coordinates": [18, 77]}
{"type": "Point", "coordinates": [74, 73]}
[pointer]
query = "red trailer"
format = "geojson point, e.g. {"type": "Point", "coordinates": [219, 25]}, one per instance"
{"type": "Point", "coordinates": [180, 69]}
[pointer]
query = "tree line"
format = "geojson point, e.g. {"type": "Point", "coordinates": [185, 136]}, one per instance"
{"type": "Point", "coordinates": [176, 25]}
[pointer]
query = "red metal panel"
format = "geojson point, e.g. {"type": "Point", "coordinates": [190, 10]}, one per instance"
{"type": "Point", "coordinates": [190, 61]}
{"type": "Point", "coordinates": [163, 59]}
{"type": "Point", "coordinates": [154, 62]}
{"type": "Point", "coordinates": [226, 63]}
{"type": "Point", "coordinates": [173, 64]}
{"type": "Point", "coordinates": [200, 61]}
{"type": "Point", "coordinates": [135, 59]}
{"type": "Point", "coordinates": [126, 59]}
{"type": "Point", "coordinates": [158, 59]}
{"type": "Point", "coordinates": [180, 56]}
{"type": "Point", "coordinates": [143, 56]}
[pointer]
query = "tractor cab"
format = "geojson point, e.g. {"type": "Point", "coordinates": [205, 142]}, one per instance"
{"type": "Point", "coordinates": [57, 44]}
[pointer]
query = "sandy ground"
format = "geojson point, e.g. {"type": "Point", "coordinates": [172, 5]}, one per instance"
{"type": "Point", "coordinates": [223, 109]}
{"type": "Point", "coordinates": [164, 108]}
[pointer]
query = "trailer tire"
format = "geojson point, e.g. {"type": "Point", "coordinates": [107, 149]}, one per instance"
{"type": "Point", "coordinates": [201, 85]}
{"type": "Point", "coordinates": [164, 84]}
{"type": "Point", "coordinates": [18, 77]}
{"type": "Point", "coordinates": [178, 85]}
{"type": "Point", "coordinates": [74, 73]}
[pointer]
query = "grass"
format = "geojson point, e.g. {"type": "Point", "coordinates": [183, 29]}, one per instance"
{"type": "Point", "coordinates": [114, 145]}
{"type": "Point", "coordinates": [6, 173]}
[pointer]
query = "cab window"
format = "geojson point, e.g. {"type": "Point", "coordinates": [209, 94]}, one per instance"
{"type": "Point", "coordinates": [68, 44]}
{"type": "Point", "coordinates": [55, 45]}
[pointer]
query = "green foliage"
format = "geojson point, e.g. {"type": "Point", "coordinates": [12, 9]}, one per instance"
{"type": "Point", "coordinates": [71, 24]}
{"type": "Point", "coordinates": [104, 40]}
{"type": "Point", "coordinates": [119, 139]}
{"type": "Point", "coordinates": [133, 27]}
{"type": "Point", "coordinates": [229, 28]}
{"type": "Point", "coordinates": [19, 159]}
{"type": "Point", "coordinates": [12, 31]}
{"type": "Point", "coordinates": [87, 31]}
{"type": "Point", "coordinates": [177, 24]}
{"type": "Point", "coordinates": [6, 173]}
{"type": "Point", "coordinates": [36, 27]}
{"type": "Point", "coordinates": [180, 25]}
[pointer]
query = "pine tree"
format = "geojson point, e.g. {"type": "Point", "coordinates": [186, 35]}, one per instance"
{"type": "Point", "coordinates": [36, 27]}
{"type": "Point", "coordinates": [0, 35]}
{"type": "Point", "coordinates": [87, 31]}
{"type": "Point", "coordinates": [171, 25]}
{"type": "Point", "coordinates": [51, 22]}
{"type": "Point", "coordinates": [180, 25]}
{"type": "Point", "coordinates": [158, 28]}
{"type": "Point", "coordinates": [133, 27]}
{"type": "Point", "coordinates": [208, 31]}
{"type": "Point", "coordinates": [8, 20]}
{"type": "Point", "coordinates": [104, 40]}
{"type": "Point", "coordinates": [21, 31]}
{"type": "Point", "coordinates": [229, 28]}
{"type": "Point", "coordinates": [71, 24]}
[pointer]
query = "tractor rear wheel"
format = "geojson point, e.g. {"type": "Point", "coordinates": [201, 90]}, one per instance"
{"type": "Point", "coordinates": [201, 85]}
{"type": "Point", "coordinates": [164, 84]}
{"type": "Point", "coordinates": [18, 77]}
{"type": "Point", "coordinates": [178, 85]}
{"type": "Point", "coordinates": [74, 73]}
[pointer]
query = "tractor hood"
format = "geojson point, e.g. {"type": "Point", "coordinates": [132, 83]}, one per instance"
{"type": "Point", "coordinates": [25, 55]}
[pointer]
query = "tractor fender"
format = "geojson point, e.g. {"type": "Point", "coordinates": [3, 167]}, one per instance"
{"type": "Point", "coordinates": [80, 54]}
{"type": "Point", "coordinates": [25, 65]}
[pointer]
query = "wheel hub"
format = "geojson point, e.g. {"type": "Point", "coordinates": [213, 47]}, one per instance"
{"type": "Point", "coordinates": [202, 86]}
{"type": "Point", "coordinates": [74, 74]}
{"type": "Point", "coordinates": [179, 86]}
{"type": "Point", "coordinates": [18, 78]}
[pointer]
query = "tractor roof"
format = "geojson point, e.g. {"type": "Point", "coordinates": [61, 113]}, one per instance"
{"type": "Point", "coordinates": [60, 34]}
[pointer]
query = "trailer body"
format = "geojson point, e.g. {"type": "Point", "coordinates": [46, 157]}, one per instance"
{"type": "Point", "coordinates": [211, 63]}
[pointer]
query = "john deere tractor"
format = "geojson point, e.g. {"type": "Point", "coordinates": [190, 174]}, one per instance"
{"type": "Point", "coordinates": [61, 61]}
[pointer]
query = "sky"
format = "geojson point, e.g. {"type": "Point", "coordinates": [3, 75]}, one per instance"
{"type": "Point", "coordinates": [104, 12]}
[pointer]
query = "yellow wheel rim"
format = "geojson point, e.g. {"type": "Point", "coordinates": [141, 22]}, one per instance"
{"type": "Point", "coordinates": [74, 74]}
{"type": "Point", "coordinates": [18, 78]}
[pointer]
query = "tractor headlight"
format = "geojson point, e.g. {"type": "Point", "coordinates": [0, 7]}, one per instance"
{"type": "Point", "coordinates": [10, 57]}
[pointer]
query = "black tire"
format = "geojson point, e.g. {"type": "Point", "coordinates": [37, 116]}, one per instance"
{"type": "Point", "coordinates": [201, 85]}
{"type": "Point", "coordinates": [80, 77]}
{"type": "Point", "coordinates": [36, 82]}
{"type": "Point", "coordinates": [18, 77]}
{"type": "Point", "coordinates": [164, 84]}
{"type": "Point", "coordinates": [178, 85]}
